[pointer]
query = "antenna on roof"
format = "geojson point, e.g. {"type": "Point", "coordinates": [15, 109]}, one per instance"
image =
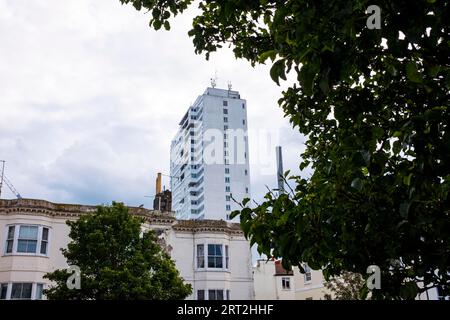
{"type": "Point", "coordinates": [229, 85]}
{"type": "Point", "coordinates": [214, 80]}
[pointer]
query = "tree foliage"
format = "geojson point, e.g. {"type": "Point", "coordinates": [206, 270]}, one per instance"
{"type": "Point", "coordinates": [116, 260]}
{"type": "Point", "coordinates": [374, 105]}
{"type": "Point", "coordinates": [346, 287]}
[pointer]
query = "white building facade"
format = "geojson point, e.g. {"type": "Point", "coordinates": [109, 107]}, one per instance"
{"type": "Point", "coordinates": [209, 157]}
{"type": "Point", "coordinates": [213, 256]}
{"type": "Point", "coordinates": [273, 282]}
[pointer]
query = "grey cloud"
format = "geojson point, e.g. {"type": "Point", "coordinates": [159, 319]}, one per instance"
{"type": "Point", "coordinates": [90, 98]}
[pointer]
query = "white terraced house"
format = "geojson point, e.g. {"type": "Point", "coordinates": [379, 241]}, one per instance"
{"type": "Point", "coordinates": [213, 256]}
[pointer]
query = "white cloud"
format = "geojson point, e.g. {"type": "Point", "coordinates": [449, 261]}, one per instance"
{"type": "Point", "coordinates": [90, 98]}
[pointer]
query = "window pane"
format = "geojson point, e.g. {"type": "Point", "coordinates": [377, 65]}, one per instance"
{"type": "Point", "coordinates": [215, 256]}
{"type": "Point", "coordinates": [26, 290]}
{"type": "Point", "coordinates": [3, 291]}
{"type": "Point", "coordinates": [201, 295]}
{"type": "Point", "coordinates": [9, 246]}
{"type": "Point", "coordinates": [219, 295]}
{"type": "Point", "coordinates": [219, 262]}
{"type": "Point", "coordinates": [44, 247]}
{"type": "Point", "coordinates": [45, 234]}
{"type": "Point", "coordinates": [22, 246]}
{"type": "Point", "coordinates": [16, 291]}
{"type": "Point", "coordinates": [200, 256]}
{"type": "Point", "coordinates": [31, 246]}
{"type": "Point", "coordinates": [226, 257]}
{"type": "Point", "coordinates": [212, 295]}
{"type": "Point", "coordinates": [200, 250]}
{"type": "Point", "coordinates": [28, 232]}
{"type": "Point", "coordinates": [11, 232]}
{"type": "Point", "coordinates": [39, 289]}
{"type": "Point", "coordinates": [27, 246]}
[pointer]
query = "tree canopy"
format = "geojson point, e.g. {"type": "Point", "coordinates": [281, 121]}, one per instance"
{"type": "Point", "coordinates": [345, 287]}
{"type": "Point", "coordinates": [116, 260]}
{"type": "Point", "coordinates": [374, 106]}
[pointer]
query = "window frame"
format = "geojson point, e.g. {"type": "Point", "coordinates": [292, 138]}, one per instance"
{"type": "Point", "coordinates": [286, 283]}
{"type": "Point", "coordinates": [21, 290]}
{"type": "Point", "coordinates": [307, 277]}
{"type": "Point", "coordinates": [203, 293]}
{"type": "Point", "coordinates": [217, 292]}
{"type": "Point", "coordinates": [16, 237]}
{"type": "Point", "coordinates": [4, 291]}
{"type": "Point", "coordinates": [225, 257]}
{"type": "Point", "coordinates": [35, 293]}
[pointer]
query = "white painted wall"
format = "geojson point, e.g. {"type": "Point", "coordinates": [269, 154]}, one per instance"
{"type": "Point", "coordinates": [268, 285]}
{"type": "Point", "coordinates": [237, 278]}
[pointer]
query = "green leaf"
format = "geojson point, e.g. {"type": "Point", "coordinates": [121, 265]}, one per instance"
{"type": "Point", "coordinates": [268, 54]}
{"type": "Point", "coordinates": [137, 4]}
{"type": "Point", "coordinates": [412, 73]}
{"type": "Point", "coordinates": [278, 71]}
{"type": "Point", "coordinates": [306, 78]}
{"type": "Point", "coordinates": [407, 179]}
{"type": "Point", "coordinates": [157, 24]}
{"type": "Point", "coordinates": [156, 13]}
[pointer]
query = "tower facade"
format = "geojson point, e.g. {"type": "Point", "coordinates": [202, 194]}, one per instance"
{"type": "Point", "coordinates": [209, 157]}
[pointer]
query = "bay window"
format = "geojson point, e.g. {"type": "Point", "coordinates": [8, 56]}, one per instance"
{"type": "Point", "coordinates": [27, 239]}
{"type": "Point", "coordinates": [212, 256]}
{"type": "Point", "coordinates": [21, 291]}
{"type": "Point", "coordinates": [213, 294]}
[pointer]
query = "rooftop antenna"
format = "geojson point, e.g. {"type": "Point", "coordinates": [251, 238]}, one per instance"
{"type": "Point", "coordinates": [214, 80]}
{"type": "Point", "coordinates": [229, 85]}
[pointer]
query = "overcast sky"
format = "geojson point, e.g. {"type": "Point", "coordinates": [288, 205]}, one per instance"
{"type": "Point", "coordinates": [90, 98]}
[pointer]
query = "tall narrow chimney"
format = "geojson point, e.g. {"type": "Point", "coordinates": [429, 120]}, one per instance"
{"type": "Point", "coordinates": [158, 183]}
{"type": "Point", "coordinates": [280, 170]}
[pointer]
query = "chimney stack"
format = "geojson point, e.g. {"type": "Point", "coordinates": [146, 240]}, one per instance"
{"type": "Point", "coordinates": [158, 183]}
